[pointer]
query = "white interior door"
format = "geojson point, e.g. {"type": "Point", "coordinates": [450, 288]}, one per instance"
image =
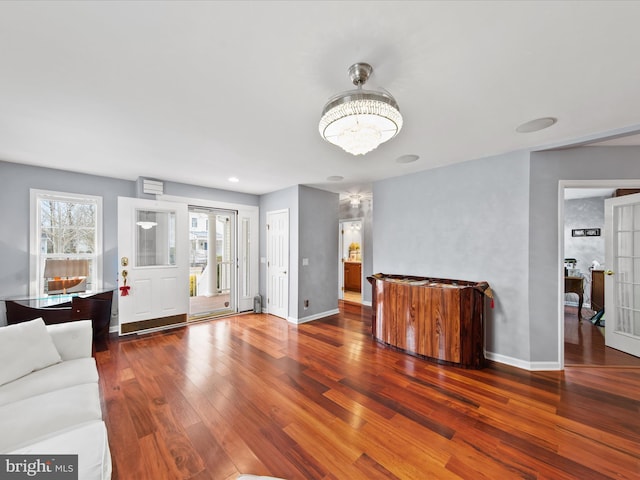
{"type": "Point", "coordinates": [278, 263]}
{"type": "Point", "coordinates": [622, 284]}
{"type": "Point", "coordinates": [153, 256]}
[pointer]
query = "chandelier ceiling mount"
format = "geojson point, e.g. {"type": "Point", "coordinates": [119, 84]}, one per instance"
{"type": "Point", "coordinates": [360, 73]}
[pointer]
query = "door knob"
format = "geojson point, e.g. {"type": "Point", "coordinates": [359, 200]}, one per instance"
{"type": "Point", "coordinates": [609, 272]}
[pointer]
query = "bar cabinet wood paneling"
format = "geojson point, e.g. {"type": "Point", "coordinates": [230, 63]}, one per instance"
{"type": "Point", "coordinates": [439, 319]}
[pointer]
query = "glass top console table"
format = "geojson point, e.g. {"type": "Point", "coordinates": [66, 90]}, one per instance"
{"type": "Point", "coordinates": [94, 306]}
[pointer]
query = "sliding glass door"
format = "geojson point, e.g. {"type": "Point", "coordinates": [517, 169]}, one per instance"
{"type": "Point", "coordinates": [212, 262]}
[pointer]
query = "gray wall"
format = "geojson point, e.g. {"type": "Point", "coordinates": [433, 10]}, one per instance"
{"type": "Point", "coordinates": [318, 225]}
{"type": "Point", "coordinates": [584, 213]}
{"type": "Point", "coordinates": [493, 219]}
{"type": "Point", "coordinates": [547, 169]}
{"type": "Point", "coordinates": [365, 212]}
{"type": "Point", "coordinates": [467, 221]}
{"type": "Point", "coordinates": [313, 223]}
{"type": "Point", "coordinates": [17, 180]}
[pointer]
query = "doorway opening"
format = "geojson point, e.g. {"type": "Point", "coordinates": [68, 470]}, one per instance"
{"type": "Point", "coordinates": [351, 254]}
{"type": "Point", "coordinates": [583, 261]}
{"type": "Point", "coordinates": [212, 261]}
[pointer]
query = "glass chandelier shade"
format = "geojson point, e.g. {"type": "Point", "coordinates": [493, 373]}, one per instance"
{"type": "Point", "coordinates": [360, 120]}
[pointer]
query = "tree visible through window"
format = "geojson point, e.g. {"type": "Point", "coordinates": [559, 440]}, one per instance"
{"type": "Point", "coordinates": [67, 226]}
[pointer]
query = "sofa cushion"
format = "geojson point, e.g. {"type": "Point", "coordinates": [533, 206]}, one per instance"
{"type": "Point", "coordinates": [38, 417]}
{"type": "Point", "coordinates": [88, 441]}
{"type": "Point", "coordinates": [25, 347]}
{"type": "Point", "coordinates": [72, 339]}
{"type": "Point", "coordinates": [58, 376]}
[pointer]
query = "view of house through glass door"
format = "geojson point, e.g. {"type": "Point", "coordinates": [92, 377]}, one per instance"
{"type": "Point", "coordinates": [212, 282]}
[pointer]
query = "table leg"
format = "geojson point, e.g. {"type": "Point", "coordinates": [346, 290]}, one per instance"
{"type": "Point", "coordinates": [580, 301]}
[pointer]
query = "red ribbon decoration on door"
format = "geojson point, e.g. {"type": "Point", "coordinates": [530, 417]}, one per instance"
{"type": "Point", "coordinates": [124, 289]}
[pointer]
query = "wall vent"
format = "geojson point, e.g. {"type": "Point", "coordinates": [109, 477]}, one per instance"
{"type": "Point", "coordinates": [152, 187]}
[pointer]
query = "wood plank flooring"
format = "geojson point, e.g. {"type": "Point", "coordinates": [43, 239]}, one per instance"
{"type": "Point", "coordinates": [323, 400]}
{"type": "Point", "coordinates": [353, 297]}
{"type": "Point", "coordinates": [584, 344]}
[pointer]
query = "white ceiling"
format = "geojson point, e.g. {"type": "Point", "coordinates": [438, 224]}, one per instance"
{"type": "Point", "coordinates": [196, 92]}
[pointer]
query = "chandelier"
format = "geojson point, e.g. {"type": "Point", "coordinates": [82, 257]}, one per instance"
{"type": "Point", "coordinates": [359, 120]}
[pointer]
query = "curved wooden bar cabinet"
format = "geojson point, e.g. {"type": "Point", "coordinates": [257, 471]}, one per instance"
{"type": "Point", "coordinates": [435, 318]}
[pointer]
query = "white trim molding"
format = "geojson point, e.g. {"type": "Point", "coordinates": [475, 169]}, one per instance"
{"type": "Point", "coordinates": [523, 364]}
{"type": "Point", "coordinates": [316, 316]}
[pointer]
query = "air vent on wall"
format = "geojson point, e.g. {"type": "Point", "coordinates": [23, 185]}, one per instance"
{"type": "Point", "coordinates": [152, 187]}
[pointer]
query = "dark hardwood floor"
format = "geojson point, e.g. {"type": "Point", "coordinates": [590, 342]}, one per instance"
{"type": "Point", "coordinates": [584, 343]}
{"type": "Point", "coordinates": [323, 400]}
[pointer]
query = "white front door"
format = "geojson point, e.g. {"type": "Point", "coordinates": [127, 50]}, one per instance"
{"type": "Point", "coordinates": [622, 284]}
{"type": "Point", "coordinates": [153, 257]}
{"type": "Point", "coordinates": [278, 263]}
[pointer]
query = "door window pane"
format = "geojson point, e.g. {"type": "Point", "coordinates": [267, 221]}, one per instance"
{"type": "Point", "coordinates": [155, 238]}
{"type": "Point", "coordinates": [625, 218]}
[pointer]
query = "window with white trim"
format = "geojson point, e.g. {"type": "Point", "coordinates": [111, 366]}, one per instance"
{"type": "Point", "coordinates": [66, 227]}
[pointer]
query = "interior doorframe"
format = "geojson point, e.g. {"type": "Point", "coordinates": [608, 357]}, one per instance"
{"type": "Point", "coordinates": [341, 223]}
{"type": "Point", "coordinates": [564, 184]}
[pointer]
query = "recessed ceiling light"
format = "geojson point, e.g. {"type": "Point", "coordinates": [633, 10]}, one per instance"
{"type": "Point", "coordinates": [407, 158]}
{"type": "Point", "coordinates": [536, 125]}
{"type": "Point", "coordinates": [234, 179]}
{"type": "Point", "coordinates": [335, 178]}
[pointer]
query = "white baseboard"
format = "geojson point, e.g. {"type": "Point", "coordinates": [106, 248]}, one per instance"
{"type": "Point", "coordinates": [519, 363]}
{"type": "Point", "coordinates": [310, 318]}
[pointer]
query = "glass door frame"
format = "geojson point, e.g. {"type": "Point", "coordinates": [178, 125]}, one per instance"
{"type": "Point", "coordinates": [248, 261]}
{"type": "Point", "coordinates": [223, 280]}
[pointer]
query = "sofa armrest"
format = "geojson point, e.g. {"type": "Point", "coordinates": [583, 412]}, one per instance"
{"type": "Point", "coordinates": [72, 339]}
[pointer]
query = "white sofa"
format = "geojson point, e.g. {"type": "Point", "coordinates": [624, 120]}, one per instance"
{"type": "Point", "coordinates": [49, 395]}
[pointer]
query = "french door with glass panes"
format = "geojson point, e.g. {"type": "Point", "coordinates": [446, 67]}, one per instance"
{"type": "Point", "coordinates": [622, 282]}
